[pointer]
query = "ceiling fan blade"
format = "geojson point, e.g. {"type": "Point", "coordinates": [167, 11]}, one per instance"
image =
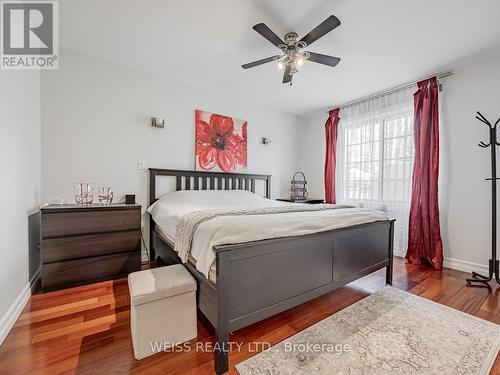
{"type": "Point", "coordinates": [260, 62]}
{"type": "Point", "coordinates": [287, 77]}
{"type": "Point", "coordinates": [323, 59]}
{"type": "Point", "coordinates": [267, 33]}
{"type": "Point", "coordinates": [322, 29]}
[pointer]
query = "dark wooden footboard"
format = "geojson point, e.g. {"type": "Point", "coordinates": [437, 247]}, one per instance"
{"type": "Point", "coordinates": [259, 279]}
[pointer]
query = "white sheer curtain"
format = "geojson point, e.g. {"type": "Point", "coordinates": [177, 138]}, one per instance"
{"type": "Point", "coordinates": [375, 154]}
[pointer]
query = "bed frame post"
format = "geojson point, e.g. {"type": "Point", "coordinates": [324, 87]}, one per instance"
{"type": "Point", "coordinates": [222, 329]}
{"type": "Point", "coordinates": [152, 199]}
{"type": "Point", "coordinates": [221, 351]}
{"type": "Point", "coordinates": [388, 272]}
{"type": "Point", "coordinates": [268, 187]}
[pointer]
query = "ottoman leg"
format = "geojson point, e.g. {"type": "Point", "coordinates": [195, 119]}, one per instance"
{"type": "Point", "coordinates": [222, 351]}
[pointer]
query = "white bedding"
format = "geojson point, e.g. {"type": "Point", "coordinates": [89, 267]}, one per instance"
{"type": "Point", "coordinates": [222, 230]}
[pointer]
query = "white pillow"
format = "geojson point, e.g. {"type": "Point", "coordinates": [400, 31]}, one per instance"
{"type": "Point", "coordinates": [168, 210]}
{"type": "Point", "coordinates": [201, 199]}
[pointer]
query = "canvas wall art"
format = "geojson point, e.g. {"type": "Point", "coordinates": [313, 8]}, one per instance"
{"type": "Point", "coordinates": [221, 143]}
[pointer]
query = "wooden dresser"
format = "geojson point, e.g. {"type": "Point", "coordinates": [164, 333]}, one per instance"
{"type": "Point", "coordinates": [81, 245]}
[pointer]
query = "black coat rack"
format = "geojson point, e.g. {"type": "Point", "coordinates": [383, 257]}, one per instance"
{"type": "Point", "coordinates": [494, 270]}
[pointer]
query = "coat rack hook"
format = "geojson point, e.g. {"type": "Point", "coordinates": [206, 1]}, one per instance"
{"type": "Point", "coordinates": [482, 118]}
{"type": "Point", "coordinates": [481, 115]}
{"type": "Point", "coordinates": [496, 123]}
{"type": "Point", "coordinates": [483, 121]}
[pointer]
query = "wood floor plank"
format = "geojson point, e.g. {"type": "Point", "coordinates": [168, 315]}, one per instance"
{"type": "Point", "coordinates": [490, 309]}
{"type": "Point", "coordinates": [86, 330]}
{"type": "Point", "coordinates": [34, 316]}
{"type": "Point", "coordinates": [75, 329]}
{"type": "Point", "coordinates": [469, 299]}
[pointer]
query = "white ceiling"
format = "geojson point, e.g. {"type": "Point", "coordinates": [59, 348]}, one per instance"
{"type": "Point", "coordinates": [203, 43]}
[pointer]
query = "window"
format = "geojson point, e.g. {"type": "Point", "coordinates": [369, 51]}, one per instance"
{"type": "Point", "coordinates": [379, 160]}
{"type": "Point", "coordinates": [375, 157]}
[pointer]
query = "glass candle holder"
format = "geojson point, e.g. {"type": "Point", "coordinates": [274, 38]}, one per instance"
{"type": "Point", "coordinates": [84, 193]}
{"type": "Point", "coordinates": [105, 195]}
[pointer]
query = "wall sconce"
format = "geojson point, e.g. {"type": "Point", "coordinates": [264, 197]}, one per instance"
{"type": "Point", "coordinates": [266, 140]}
{"type": "Point", "coordinates": [157, 122]}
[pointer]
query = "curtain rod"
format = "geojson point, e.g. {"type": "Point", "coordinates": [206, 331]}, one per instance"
{"type": "Point", "coordinates": [393, 89]}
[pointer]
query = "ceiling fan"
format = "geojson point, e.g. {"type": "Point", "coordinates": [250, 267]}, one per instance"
{"type": "Point", "coordinates": [292, 57]}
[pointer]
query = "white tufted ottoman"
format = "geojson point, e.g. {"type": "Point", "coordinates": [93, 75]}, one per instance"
{"type": "Point", "coordinates": [162, 308]}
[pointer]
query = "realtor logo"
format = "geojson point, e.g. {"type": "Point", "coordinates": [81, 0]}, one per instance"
{"type": "Point", "coordinates": [30, 35]}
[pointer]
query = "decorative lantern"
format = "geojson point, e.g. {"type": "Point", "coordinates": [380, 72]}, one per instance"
{"type": "Point", "coordinates": [298, 189]}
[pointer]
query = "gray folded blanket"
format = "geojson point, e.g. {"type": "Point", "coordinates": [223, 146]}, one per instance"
{"type": "Point", "coordinates": [188, 224]}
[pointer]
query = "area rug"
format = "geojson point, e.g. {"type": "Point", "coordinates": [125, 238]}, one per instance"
{"type": "Point", "coordinates": [389, 332]}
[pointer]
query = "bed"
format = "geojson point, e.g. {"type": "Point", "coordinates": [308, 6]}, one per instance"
{"type": "Point", "coordinates": [292, 269]}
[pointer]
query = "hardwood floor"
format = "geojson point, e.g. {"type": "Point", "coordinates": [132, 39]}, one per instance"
{"type": "Point", "coordinates": [85, 330]}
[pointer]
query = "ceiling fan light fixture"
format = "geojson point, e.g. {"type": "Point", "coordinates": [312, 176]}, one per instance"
{"type": "Point", "coordinates": [293, 58]}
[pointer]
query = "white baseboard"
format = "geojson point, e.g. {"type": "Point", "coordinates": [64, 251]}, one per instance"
{"type": "Point", "coordinates": [459, 265]}
{"type": "Point", "coordinates": [462, 265]}
{"type": "Point", "coordinates": [9, 318]}
{"type": "Point", "coordinates": [399, 254]}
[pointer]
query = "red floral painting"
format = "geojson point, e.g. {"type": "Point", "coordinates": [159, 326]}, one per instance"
{"type": "Point", "coordinates": [221, 142]}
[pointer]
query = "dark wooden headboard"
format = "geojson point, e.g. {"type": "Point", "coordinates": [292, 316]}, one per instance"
{"type": "Point", "coordinates": [194, 180]}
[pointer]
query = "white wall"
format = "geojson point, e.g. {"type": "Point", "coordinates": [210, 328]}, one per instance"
{"type": "Point", "coordinates": [312, 159]}
{"type": "Point", "coordinates": [96, 125]}
{"type": "Point", "coordinates": [20, 187]}
{"type": "Point", "coordinates": [465, 196]}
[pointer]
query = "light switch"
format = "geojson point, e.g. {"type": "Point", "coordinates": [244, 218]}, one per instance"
{"type": "Point", "coordinates": [141, 164]}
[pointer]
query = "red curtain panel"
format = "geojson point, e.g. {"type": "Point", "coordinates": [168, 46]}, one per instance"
{"type": "Point", "coordinates": [424, 240]}
{"type": "Point", "coordinates": [331, 131]}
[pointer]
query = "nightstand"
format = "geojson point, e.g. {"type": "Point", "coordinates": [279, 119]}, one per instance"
{"type": "Point", "coordinates": [308, 200]}
{"type": "Point", "coordinates": [86, 244]}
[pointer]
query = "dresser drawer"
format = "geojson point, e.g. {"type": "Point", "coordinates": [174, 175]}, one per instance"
{"type": "Point", "coordinates": [59, 224]}
{"type": "Point", "coordinates": [82, 271]}
{"type": "Point", "coordinates": [65, 248]}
